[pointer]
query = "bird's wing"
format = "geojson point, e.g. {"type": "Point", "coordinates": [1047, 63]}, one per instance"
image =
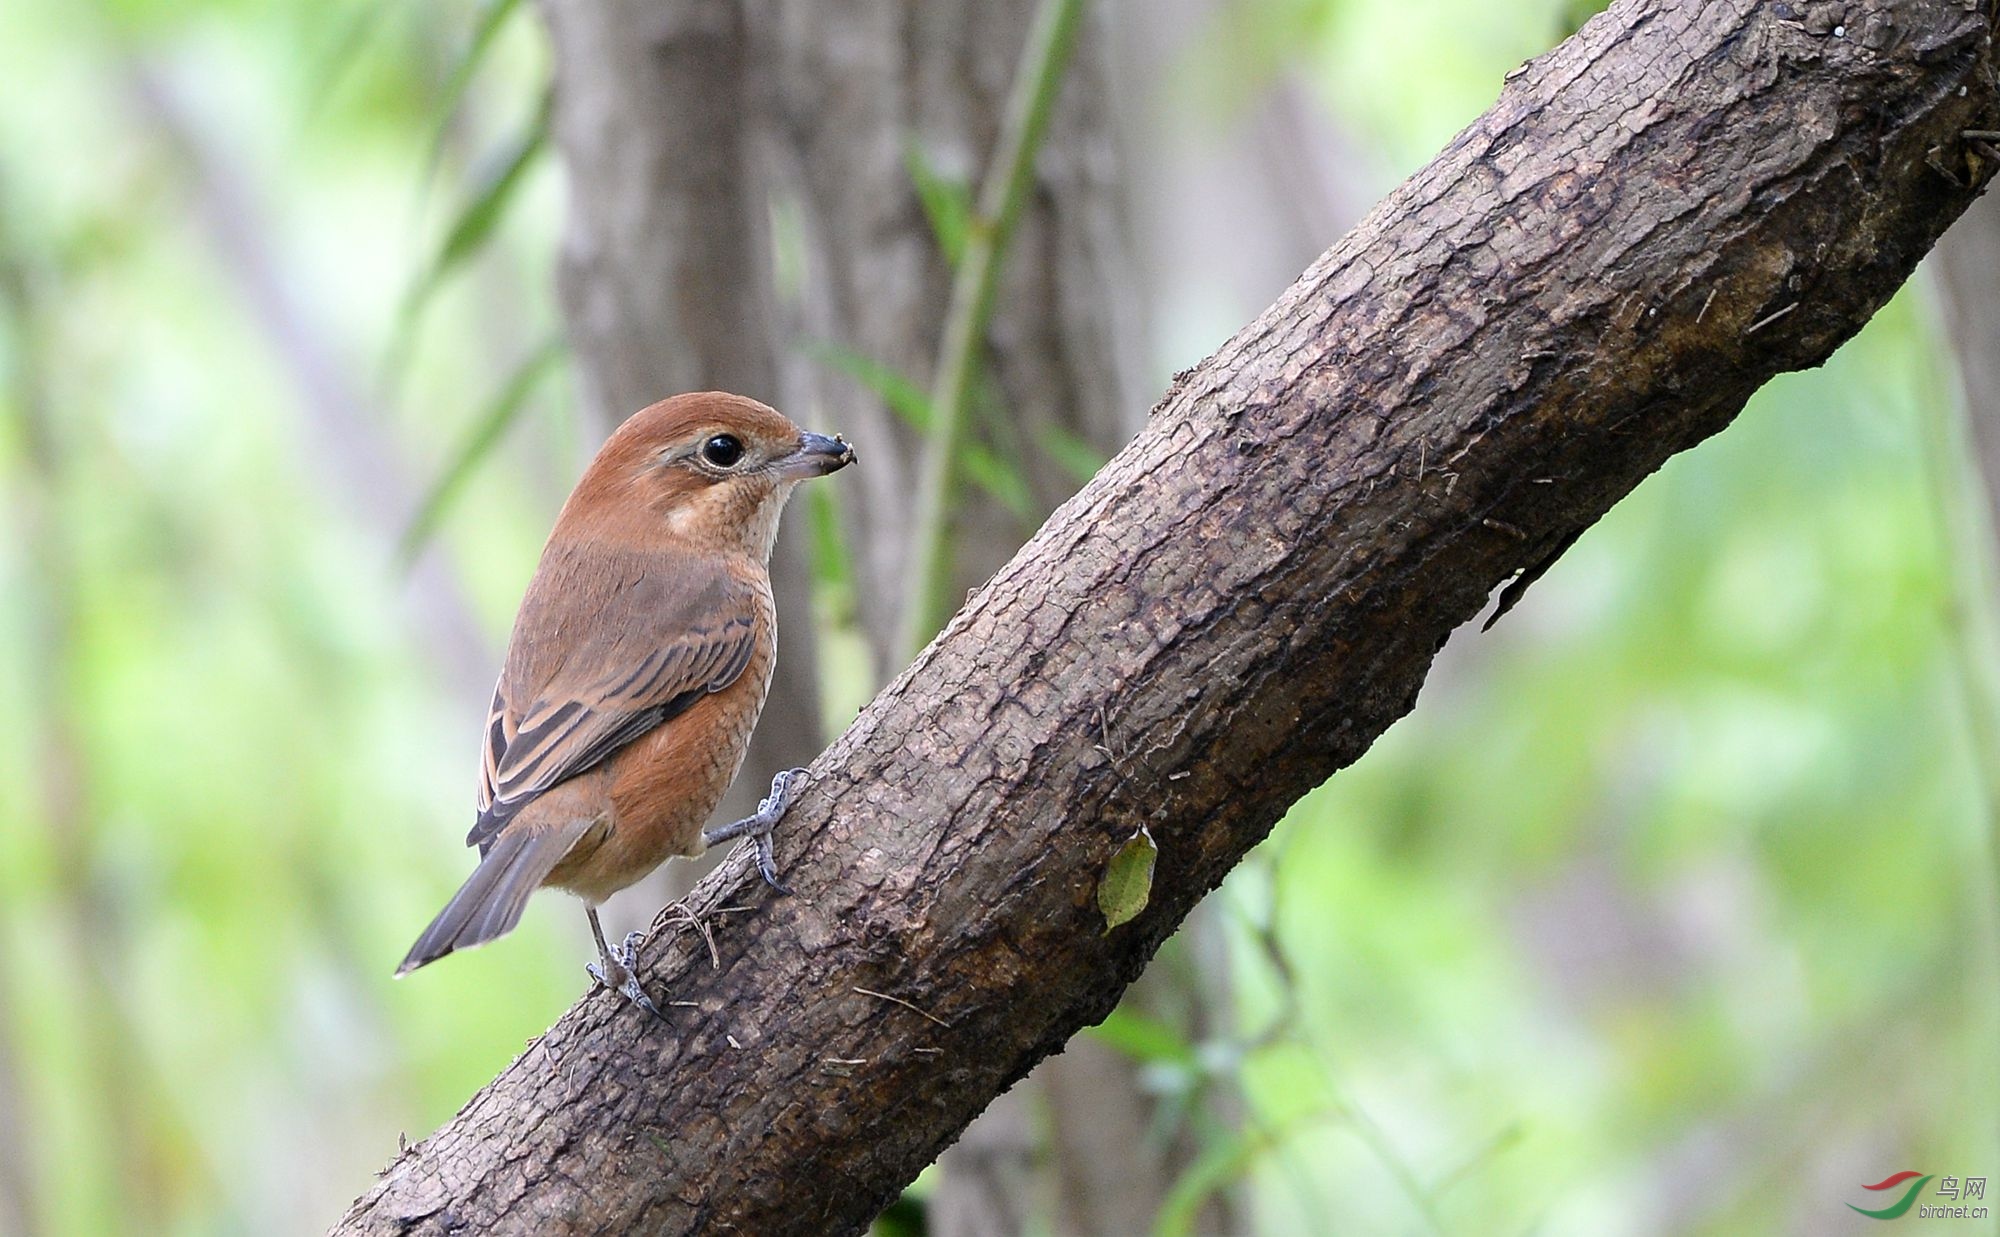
{"type": "Point", "coordinates": [600, 657]}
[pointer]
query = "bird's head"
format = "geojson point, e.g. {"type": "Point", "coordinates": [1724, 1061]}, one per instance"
{"type": "Point", "coordinates": [715, 468]}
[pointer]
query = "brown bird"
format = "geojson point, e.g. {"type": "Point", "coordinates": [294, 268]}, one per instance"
{"type": "Point", "coordinates": [638, 665]}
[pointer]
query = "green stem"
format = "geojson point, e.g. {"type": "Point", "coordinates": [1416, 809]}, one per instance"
{"type": "Point", "coordinates": [927, 595]}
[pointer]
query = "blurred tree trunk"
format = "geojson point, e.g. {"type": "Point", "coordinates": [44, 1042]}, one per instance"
{"type": "Point", "coordinates": [665, 279]}
{"type": "Point", "coordinates": [705, 140]}
{"type": "Point", "coordinates": [1230, 207]}
{"type": "Point", "coordinates": [1968, 268]}
{"type": "Point", "coordinates": [852, 97]}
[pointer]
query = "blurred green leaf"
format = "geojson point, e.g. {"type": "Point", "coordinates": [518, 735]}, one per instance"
{"type": "Point", "coordinates": [1218, 1165]}
{"type": "Point", "coordinates": [947, 203]}
{"type": "Point", "coordinates": [1221, 1161]}
{"type": "Point", "coordinates": [831, 563]}
{"type": "Point", "coordinates": [1143, 1038]}
{"type": "Point", "coordinates": [471, 228]}
{"type": "Point", "coordinates": [1071, 453]}
{"type": "Point", "coordinates": [904, 397]}
{"type": "Point", "coordinates": [492, 19]}
{"type": "Point", "coordinates": [906, 1217]}
{"type": "Point", "coordinates": [485, 433]}
{"type": "Point", "coordinates": [988, 470]}
{"type": "Point", "coordinates": [982, 466]}
{"type": "Point", "coordinates": [476, 220]}
{"type": "Point", "coordinates": [1500, 1144]}
{"type": "Point", "coordinates": [354, 30]}
{"type": "Point", "coordinates": [1571, 17]}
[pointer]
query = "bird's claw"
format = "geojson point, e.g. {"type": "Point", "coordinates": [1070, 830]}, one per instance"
{"type": "Point", "coordinates": [618, 970]}
{"type": "Point", "coordinates": [770, 810]}
{"type": "Point", "coordinates": [767, 864]}
{"type": "Point", "coordinates": [784, 789]}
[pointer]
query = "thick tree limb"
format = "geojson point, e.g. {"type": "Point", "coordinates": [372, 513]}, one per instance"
{"type": "Point", "coordinates": [1655, 218]}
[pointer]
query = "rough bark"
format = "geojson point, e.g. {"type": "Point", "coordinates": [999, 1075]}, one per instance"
{"type": "Point", "coordinates": [1077, 1148]}
{"type": "Point", "coordinates": [1655, 218]}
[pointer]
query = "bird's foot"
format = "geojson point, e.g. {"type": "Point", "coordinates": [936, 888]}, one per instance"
{"type": "Point", "coordinates": [618, 970]}
{"type": "Point", "coordinates": [784, 788]}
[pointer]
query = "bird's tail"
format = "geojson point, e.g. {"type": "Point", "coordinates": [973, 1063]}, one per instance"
{"type": "Point", "coordinates": [490, 901]}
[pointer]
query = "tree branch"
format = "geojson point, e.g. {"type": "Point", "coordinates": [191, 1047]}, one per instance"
{"type": "Point", "coordinates": [1653, 219]}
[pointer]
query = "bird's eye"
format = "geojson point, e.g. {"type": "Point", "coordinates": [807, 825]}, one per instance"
{"type": "Point", "coordinates": [723, 450]}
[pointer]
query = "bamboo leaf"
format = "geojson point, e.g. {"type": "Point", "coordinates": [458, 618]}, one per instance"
{"type": "Point", "coordinates": [947, 203]}
{"type": "Point", "coordinates": [492, 19]}
{"type": "Point", "coordinates": [480, 438]}
{"type": "Point", "coordinates": [1071, 453]}
{"type": "Point", "coordinates": [904, 397]}
{"type": "Point", "coordinates": [470, 230]}
{"type": "Point", "coordinates": [476, 220]}
{"type": "Point", "coordinates": [990, 471]}
{"type": "Point", "coordinates": [927, 598]}
{"type": "Point", "coordinates": [984, 467]}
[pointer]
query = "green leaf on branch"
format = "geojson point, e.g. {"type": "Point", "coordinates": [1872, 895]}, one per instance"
{"type": "Point", "coordinates": [1128, 880]}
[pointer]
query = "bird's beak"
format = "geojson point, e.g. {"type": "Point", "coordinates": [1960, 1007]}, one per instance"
{"type": "Point", "coordinates": [817, 456]}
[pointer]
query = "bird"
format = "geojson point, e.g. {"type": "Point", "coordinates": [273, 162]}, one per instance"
{"type": "Point", "coordinates": [638, 664]}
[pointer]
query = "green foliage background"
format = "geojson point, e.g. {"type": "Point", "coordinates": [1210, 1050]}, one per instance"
{"type": "Point", "coordinates": [1670, 909]}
